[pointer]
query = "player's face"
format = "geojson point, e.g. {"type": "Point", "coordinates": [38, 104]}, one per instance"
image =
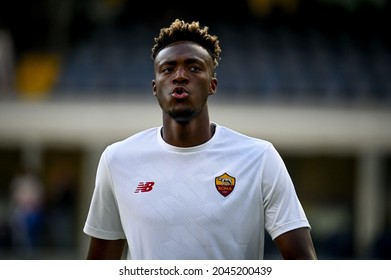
{"type": "Point", "coordinates": [183, 80]}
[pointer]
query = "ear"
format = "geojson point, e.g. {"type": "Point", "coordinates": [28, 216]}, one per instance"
{"type": "Point", "coordinates": [213, 86]}
{"type": "Point", "coordinates": [154, 87]}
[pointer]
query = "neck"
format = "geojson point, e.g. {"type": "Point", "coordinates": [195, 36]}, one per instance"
{"type": "Point", "coordinates": [188, 134]}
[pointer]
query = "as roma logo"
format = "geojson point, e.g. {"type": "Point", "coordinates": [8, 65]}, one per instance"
{"type": "Point", "coordinates": [225, 184]}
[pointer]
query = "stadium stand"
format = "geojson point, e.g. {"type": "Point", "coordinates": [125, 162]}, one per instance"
{"type": "Point", "coordinates": [255, 62]}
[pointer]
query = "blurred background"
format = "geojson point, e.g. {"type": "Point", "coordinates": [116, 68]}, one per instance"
{"type": "Point", "coordinates": [311, 76]}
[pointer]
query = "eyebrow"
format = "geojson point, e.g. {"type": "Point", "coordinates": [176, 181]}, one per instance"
{"type": "Point", "coordinates": [187, 61]}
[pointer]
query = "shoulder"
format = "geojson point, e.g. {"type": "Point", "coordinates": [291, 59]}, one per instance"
{"type": "Point", "coordinates": [246, 141]}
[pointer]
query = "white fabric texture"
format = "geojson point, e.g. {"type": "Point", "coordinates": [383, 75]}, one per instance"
{"type": "Point", "coordinates": [166, 201]}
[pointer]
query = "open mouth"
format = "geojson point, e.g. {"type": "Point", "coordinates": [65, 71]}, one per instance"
{"type": "Point", "coordinates": [179, 93]}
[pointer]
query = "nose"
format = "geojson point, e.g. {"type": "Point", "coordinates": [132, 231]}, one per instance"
{"type": "Point", "coordinates": [180, 76]}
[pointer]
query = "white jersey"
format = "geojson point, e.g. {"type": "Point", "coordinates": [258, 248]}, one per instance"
{"type": "Point", "coordinates": [212, 201]}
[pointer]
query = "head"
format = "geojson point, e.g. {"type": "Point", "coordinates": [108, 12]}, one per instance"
{"type": "Point", "coordinates": [180, 30]}
{"type": "Point", "coordinates": [185, 58]}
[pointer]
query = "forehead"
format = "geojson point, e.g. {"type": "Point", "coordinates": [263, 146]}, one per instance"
{"type": "Point", "coordinates": [183, 49]}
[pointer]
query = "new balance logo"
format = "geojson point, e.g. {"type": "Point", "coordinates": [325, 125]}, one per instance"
{"type": "Point", "coordinates": [144, 187]}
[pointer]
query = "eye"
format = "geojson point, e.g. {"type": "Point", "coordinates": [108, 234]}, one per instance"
{"type": "Point", "coordinates": [167, 69]}
{"type": "Point", "coordinates": [195, 69]}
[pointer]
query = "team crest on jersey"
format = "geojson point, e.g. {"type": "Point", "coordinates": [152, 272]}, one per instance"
{"type": "Point", "coordinates": [225, 184]}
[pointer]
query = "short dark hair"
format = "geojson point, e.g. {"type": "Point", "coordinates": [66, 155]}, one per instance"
{"type": "Point", "coordinates": [180, 30]}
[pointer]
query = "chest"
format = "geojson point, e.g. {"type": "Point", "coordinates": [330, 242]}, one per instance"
{"type": "Point", "coordinates": [185, 188]}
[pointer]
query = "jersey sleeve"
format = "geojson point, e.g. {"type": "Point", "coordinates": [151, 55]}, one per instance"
{"type": "Point", "coordinates": [283, 210]}
{"type": "Point", "coordinates": [103, 219]}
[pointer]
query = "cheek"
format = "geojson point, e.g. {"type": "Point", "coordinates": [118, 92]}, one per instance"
{"type": "Point", "coordinates": [158, 85]}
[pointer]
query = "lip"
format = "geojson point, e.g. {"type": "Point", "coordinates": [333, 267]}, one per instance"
{"type": "Point", "coordinates": [180, 92]}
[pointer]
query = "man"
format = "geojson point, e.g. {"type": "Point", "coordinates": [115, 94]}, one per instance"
{"type": "Point", "coordinates": [192, 189]}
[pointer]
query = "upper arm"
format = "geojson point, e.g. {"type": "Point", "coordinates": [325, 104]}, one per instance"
{"type": "Point", "coordinates": [296, 244]}
{"type": "Point", "coordinates": [101, 249]}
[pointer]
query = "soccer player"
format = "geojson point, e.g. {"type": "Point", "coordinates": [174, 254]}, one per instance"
{"type": "Point", "coordinates": [192, 189]}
